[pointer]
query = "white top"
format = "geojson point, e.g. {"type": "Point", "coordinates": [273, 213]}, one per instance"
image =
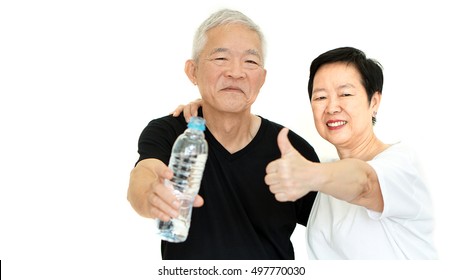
{"type": "Point", "coordinates": [339, 230]}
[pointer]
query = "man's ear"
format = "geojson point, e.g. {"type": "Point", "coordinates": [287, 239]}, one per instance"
{"type": "Point", "coordinates": [190, 70]}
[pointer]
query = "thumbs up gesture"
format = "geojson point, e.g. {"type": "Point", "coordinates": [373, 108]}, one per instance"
{"type": "Point", "coordinates": [289, 177]}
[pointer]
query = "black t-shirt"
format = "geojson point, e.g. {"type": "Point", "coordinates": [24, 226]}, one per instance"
{"type": "Point", "coordinates": [240, 219]}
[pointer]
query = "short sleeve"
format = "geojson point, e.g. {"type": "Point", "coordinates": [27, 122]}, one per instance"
{"type": "Point", "coordinates": [404, 192]}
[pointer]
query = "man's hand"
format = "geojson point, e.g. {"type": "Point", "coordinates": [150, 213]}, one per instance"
{"type": "Point", "coordinates": [149, 196]}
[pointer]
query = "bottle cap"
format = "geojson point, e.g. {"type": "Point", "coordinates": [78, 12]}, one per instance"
{"type": "Point", "coordinates": [197, 123]}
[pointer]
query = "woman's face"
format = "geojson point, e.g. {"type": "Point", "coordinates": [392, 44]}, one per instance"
{"type": "Point", "coordinates": [341, 111]}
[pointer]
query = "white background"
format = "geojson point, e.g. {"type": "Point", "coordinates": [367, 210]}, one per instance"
{"type": "Point", "coordinates": [79, 80]}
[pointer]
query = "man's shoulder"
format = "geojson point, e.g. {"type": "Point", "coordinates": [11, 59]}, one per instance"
{"type": "Point", "coordinates": [169, 120]}
{"type": "Point", "coordinates": [299, 143]}
{"type": "Point", "coordinates": [271, 125]}
{"type": "Point", "coordinates": [277, 127]}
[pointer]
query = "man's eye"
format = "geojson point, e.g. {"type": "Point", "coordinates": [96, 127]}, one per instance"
{"type": "Point", "coordinates": [251, 62]}
{"type": "Point", "coordinates": [221, 61]}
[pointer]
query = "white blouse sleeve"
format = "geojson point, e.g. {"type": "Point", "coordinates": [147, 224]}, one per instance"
{"type": "Point", "coordinates": [405, 194]}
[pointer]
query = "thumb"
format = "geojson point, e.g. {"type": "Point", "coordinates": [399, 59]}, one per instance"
{"type": "Point", "coordinates": [163, 171]}
{"type": "Point", "coordinates": [283, 142]}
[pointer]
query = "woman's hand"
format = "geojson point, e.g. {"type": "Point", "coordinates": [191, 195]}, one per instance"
{"type": "Point", "coordinates": [189, 110]}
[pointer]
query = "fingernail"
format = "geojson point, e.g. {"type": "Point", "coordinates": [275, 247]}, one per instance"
{"type": "Point", "coordinates": [174, 214]}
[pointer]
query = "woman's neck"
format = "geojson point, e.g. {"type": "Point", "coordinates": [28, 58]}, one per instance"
{"type": "Point", "coordinates": [366, 150]}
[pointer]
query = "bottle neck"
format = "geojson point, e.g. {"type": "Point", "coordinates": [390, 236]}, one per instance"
{"type": "Point", "coordinates": [194, 131]}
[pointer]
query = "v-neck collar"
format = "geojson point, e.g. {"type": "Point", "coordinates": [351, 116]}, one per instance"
{"type": "Point", "coordinates": [212, 141]}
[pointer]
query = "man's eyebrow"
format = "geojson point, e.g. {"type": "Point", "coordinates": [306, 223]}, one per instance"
{"type": "Point", "coordinates": [222, 50]}
{"type": "Point", "coordinates": [219, 50]}
{"type": "Point", "coordinates": [253, 52]}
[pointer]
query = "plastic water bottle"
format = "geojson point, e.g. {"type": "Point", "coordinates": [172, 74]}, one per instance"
{"type": "Point", "coordinates": [189, 154]}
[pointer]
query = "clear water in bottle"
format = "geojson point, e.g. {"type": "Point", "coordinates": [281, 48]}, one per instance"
{"type": "Point", "coordinates": [188, 158]}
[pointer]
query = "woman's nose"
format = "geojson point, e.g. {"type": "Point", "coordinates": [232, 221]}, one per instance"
{"type": "Point", "coordinates": [333, 107]}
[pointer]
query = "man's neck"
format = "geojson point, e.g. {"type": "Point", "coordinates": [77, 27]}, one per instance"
{"type": "Point", "coordinates": [234, 131]}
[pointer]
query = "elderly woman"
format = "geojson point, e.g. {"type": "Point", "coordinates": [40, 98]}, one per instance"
{"type": "Point", "coordinates": [372, 203]}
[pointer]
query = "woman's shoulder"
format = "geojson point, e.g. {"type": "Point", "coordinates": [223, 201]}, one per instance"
{"type": "Point", "coordinates": [397, 148]}
{"type": "Point", "coordinates": [399, 154]}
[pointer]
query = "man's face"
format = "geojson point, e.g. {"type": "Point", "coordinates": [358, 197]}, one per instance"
{"type": "Point", "coordinates": [229, 72]}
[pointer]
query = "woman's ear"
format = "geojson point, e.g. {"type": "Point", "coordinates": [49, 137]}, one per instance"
{"type": "Point", "coordinates": [375, 101]}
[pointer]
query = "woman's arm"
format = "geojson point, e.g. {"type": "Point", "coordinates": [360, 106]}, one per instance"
{"type": "Point", "coordinates": [352, 180]}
